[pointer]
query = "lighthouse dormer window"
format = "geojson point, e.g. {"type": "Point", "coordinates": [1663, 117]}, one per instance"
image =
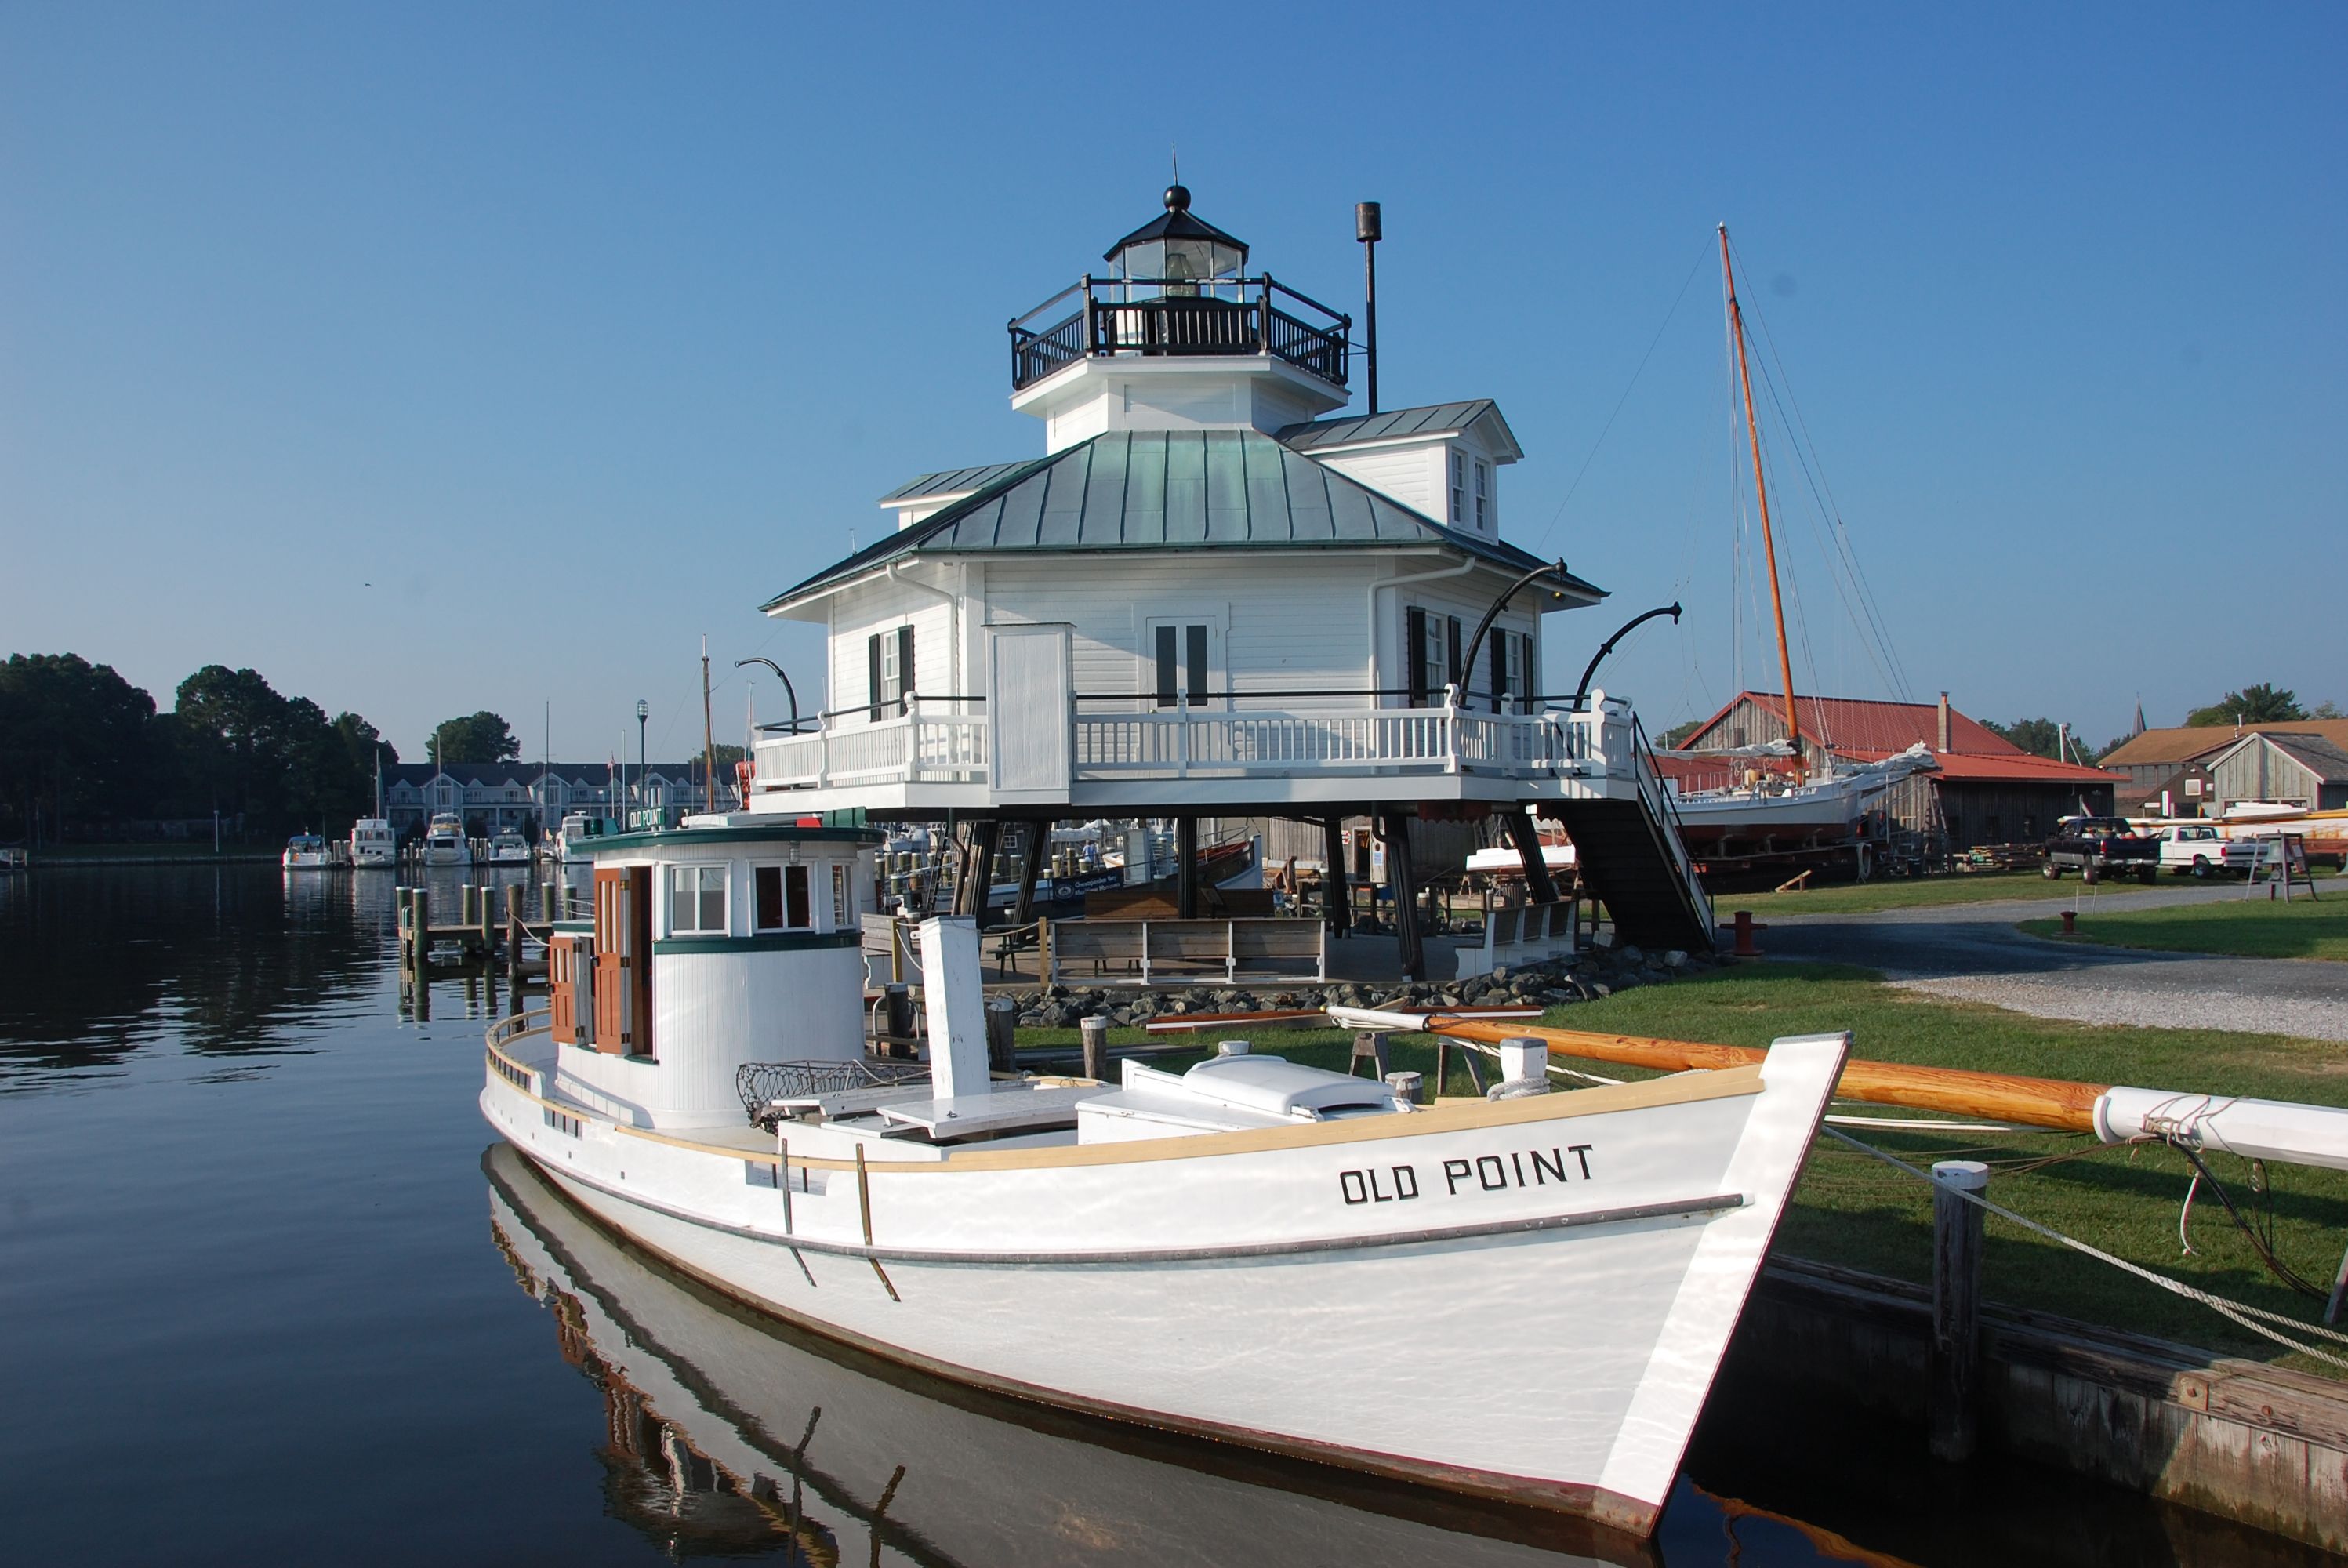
{"type": "Point", "coordinates": [1483, 497]}
{"type": "Point", "coordinates": [1458, 490]}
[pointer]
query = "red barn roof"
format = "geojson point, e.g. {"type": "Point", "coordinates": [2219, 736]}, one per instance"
{"type": "Point", "coordinates": [1867, 732]}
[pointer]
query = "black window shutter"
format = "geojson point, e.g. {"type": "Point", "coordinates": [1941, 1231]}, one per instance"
{"type": "Point", "coordinates": [905, 682]}
{"type": "Point", "coordinates": [1413, 634]}
{"type": "Point", "coordinates": [872, 672]}
{"type": "Point", "coordinates": [1500, 668]}
{"type": "Point", "coordinates": [1166, 667]}
{"type": "Point", "coordinates": [1196, 637]}
{"type": "Point", "coordinates": [1451, 670]}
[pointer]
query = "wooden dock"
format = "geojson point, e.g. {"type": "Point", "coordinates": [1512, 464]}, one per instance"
{"type": "Point", "coordinates": [484, 935]}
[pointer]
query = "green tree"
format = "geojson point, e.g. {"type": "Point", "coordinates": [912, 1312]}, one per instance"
{"type": "Point", "coordinates": [232, 740]}
{"type": "Point", "coordinates": [2259, 704]}
{"type": "Point", "coordinates": [1677, 735]}
{"type": "Point", "coordinates": [2038, 736]}
{"type": "Point", "coordinates": [480, 736]}
{"type": "Point", "coordinates": [73, 743]}
{"type": "Point", "coordinates": [2327, 709]}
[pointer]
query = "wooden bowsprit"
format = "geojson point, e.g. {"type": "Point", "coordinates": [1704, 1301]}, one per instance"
{"type": "Point", "coordinates": [2253, 1129]}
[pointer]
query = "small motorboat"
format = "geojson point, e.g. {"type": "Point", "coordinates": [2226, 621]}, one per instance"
{"type": "Point", "coordinates": [307, 853]}
{"type": "Point", "coordinates": [508, 848]}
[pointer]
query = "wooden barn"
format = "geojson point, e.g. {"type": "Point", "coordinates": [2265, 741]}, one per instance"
{"type": "Point", "coordinates": [1987, 791]}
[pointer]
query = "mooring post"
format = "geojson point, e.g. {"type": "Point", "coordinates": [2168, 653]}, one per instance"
{"type": "Point", "coordinates": [419, 925]}
{"type": "Point", "coordinates": [549, 901]}
{"type": "Point", "coordinates": [1095, 1032]}
{"type": "Point", "coordinates": [1002, 1040]}
{"type": "Point", "coordinates": [485, 926]}
{"type": "Point", "coordinates": [513, 931]}
{"type": "Point", "coordinates": [1955, 1360]}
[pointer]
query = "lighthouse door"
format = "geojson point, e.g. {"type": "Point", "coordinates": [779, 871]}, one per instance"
{"type": "Point", "coordinates": [1027, 713]}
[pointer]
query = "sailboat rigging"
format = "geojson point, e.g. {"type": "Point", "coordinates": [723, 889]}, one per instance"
{"type": "Point", "coordinates": [1800, 817]}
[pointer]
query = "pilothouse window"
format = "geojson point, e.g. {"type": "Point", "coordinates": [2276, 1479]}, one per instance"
{"type": "Point", "coordinates": [696, 904]}
{"type": "Point", "coordinates": [784, 903]}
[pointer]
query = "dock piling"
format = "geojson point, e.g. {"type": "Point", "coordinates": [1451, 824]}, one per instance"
{"type": "Point", "coordinates": [1955, 1361]}
{"type": "Point", "coordinates": [1095, 1032]}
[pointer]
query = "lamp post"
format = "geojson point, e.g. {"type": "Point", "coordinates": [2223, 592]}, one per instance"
{"type": "Point", "coordinates": [788, 690]}
{"type": "Point", "coordinates": [642, 709]}
{"type": "Point", "coordinates": [1474, 644]}
{"type": "Point", "coordinates": [1369, 228]}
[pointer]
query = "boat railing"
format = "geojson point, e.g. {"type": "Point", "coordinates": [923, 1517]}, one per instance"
{"type": "Point", "coordinates": [501, 1036]}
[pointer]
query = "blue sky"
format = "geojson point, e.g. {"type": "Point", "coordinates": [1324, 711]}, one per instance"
{"type": "Point", "coordinates": [577, 331]}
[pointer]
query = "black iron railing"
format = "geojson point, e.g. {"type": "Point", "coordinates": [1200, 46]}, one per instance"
{"type": "Point", "coordinates": [1229, 316]}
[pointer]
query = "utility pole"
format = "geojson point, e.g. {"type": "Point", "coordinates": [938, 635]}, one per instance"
{"type": "Point", "coordinates": [709, 737]}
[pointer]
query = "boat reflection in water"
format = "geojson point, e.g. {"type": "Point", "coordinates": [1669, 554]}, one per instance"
{"type": "Point", "coordinates": [733, 1434]}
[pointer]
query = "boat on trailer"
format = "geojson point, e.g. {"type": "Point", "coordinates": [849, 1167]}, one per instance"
{"type": "Point", "coordinates": [1262, 1236]}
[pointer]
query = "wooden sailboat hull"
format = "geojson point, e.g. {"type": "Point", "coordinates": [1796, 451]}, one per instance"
{"type": "Point", "coordinates": [1277, 1288]}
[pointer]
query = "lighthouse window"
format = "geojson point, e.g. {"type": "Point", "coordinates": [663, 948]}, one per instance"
{"type": "Point", "coordinates": [1458, 488]}
{"type": "Point", "coordinates": [783, 900]}
{"type": "Point", "coordinates": [1483, 498]}
{"type": "Point", "coordinates": [1181, 663]}
{"type": "Point", "coordinates": [697, 902]}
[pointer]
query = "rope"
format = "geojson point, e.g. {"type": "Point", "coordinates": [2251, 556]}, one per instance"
{"type": "Point", "coordinates": [2235, 1312]}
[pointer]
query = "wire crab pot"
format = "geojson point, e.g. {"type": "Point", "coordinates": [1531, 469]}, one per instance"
{"type": "Point", "coordinates": [761, 1084]}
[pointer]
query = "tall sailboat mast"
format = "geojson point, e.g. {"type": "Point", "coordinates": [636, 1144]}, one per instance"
{"type": "Point", "coordinates": [1768, 541]}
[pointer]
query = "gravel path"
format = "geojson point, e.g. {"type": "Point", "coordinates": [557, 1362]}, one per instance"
{"type": "Point", "coordinates": [1974, 953]}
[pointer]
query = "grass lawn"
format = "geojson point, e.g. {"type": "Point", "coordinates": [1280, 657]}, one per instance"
{"type": "Point", "coordinates": [1897, 892]}
{"type": "Point", "coordinates": [2253, 927]}
{"type": "Point", "coordinates": [1856, 1211]}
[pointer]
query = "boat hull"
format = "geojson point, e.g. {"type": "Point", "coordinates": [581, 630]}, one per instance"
{"type": "Point", "coordinates": [1425, 1302]}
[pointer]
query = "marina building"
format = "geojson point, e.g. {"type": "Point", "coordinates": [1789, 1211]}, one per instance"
{"type": "Point", "coordinates": [534, 797]}
{"type": "Point", "coordinates": [1984, 790]}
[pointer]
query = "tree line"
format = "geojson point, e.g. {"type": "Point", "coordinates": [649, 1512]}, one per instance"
{"type": "Point", "coordinates": [85, 755]}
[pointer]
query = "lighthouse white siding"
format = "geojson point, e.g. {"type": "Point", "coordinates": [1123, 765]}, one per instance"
{"type": "Point", "coordinates": [1283, 625]}
{"type": "Point", "coordinates": [883, 606]}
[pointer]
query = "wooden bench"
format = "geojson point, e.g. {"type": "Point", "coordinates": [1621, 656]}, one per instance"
{"type": "Point", "coordinates": [1190, 952]}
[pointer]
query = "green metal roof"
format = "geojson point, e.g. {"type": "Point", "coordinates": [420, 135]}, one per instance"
{"type": "Point", "coordinates": [949, 481]}
{"type": "Point", "coordinates": [1395, 424]}
{"type": "Point", "coordinates": [1160, 490]}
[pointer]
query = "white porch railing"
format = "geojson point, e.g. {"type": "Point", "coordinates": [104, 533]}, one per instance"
{"type": "Point", "coordinates": [913, 748]}
{"type": "Point", "coordinates": [1186, 742]}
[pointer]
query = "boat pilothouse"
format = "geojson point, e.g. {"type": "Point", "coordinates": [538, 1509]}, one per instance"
{"type": "Point", "coordinates": [701, 1084]}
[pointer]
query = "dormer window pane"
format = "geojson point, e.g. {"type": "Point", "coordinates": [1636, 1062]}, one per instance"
{"type": "Point", "coordinates": [1458, 490]}
{"type": "Point", "coordinates": [1483, 497]}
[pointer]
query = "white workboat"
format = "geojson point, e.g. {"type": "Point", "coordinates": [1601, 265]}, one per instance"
{"type": "Point", "coordinates": [730, 1435]}
{"type": "Point", "coordinates": [445, 844]}
{"type": "Point", "coordinates": [373, 843]}
{"type": "Point", "coordinates": [307, 853]}
{"type": "Point", "coordinates": [508, 848]}
{"type": "Point", "coordinates": [1261, 1235]}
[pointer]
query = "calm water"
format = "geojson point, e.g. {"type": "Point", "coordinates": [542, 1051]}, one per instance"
{"type": "Point", "coordinates": [268, 1294]}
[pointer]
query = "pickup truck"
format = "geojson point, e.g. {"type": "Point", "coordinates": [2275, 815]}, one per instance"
{"type": "Point", "coordinates": [2096, 847]}
{"type": "Point", "coordinates": [2190, 849]}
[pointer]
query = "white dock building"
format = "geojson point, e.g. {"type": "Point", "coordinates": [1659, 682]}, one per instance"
{"type": "Point", "coordinates": [1215, 594]}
